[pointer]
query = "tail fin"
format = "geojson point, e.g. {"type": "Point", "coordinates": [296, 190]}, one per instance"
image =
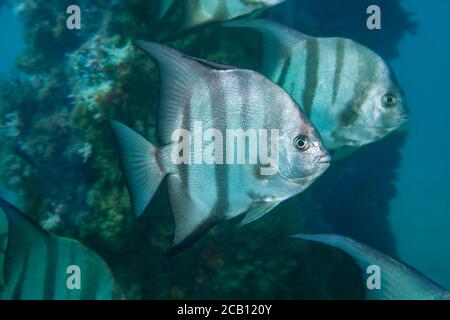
{"type": "Point", "coordinates": [165, 5]}
{"type": "Point", "coordinates": [140, 166]}
{"type": "Point", "coordinates": [398, 280]}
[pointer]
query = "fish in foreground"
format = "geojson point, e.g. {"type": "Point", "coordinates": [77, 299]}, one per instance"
{"type": "Point", "coordinates": [220, 98]}
{"type": "Point", "coordinates": [398, 280]}
{"type": "Point", "coordinates": [345, 89]}
{"type": "Point", "coordinates": [36, 264]}
{"type": "Point", "coordinates": [199, 12]}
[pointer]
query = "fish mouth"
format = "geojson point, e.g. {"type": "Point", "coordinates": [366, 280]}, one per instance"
{"type": "Point", "coordinates": [403, 118]}
{"type": "Point", "coordinates": [323, 161]}
{"type": "Point", "coordinates": [325, 158]}
{"type": "Point", "coordinates": [399, 121]}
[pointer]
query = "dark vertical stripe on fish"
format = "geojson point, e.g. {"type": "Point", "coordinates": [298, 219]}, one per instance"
{"type": "Point", "coordinates": [183, 169]}
{"type": "Point", "coordinates": [349, 114]}
{"type": "Point", "coordinates": [340, 55]}
{"type": "Point", "coordinates": [268, 122]}
{"type": "Point", "coordinates": [284, 71]}
{"type": "Point", "coordinates": [90, 278]}
{"type": "Point", "coordinates": [360, 92]}
{"type": "Point", "coordinates": [311, 74]}
{"type": "Point", "coordinates": [17, 294]}
{"type": "Point", "coordinates": [51, 262]}
{"type": "Point", "coordinates": [222, 12]}
{"type": "Point", "coordinates": [367, 75]}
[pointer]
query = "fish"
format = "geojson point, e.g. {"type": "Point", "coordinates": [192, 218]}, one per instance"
{"type": "Point", "coordinates": [36, 264]}
{"type": "Point", "coordinates": [347, 90]}
{"type": "Point", "coordinates": [164, 7]}
{"type": "Point", "coordinates": [399, 281]}
{"type": "Point", "coordinates": [221, 98]}
{"type": "Point", "coordinates": [200, 12]}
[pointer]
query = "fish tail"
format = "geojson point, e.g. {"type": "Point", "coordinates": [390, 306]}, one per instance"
{"type": "Point", "coordinates": [140, 164]}
{"type": "Point", "coordinates": [398, 280]}
{"type": "Point", "coordinates": [165, 5]}
{"type": "Point", "coordinates": [343, 243]}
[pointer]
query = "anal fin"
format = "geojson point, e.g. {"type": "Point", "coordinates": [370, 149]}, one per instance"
{"type": "Point", "coordinates": [192, 218]}
{"type": "Point", "coordinates": [257, 210]}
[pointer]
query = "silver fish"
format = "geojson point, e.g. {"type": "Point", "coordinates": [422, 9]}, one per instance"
{"type": "Point", "coordinates": [398, 280]}
{"type": "Point", "coordinates": [199, 12]}
{"type": "Point", "coordinates": [220, 98]}
{"type": "Point", "coordinates": [36, 264]}
{"type": "Point", "coordinates": [346, 90]}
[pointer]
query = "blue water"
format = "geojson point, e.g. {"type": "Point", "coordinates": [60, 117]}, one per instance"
{"type": "Point", "coordinates": [420, 215]}
{"type": "Point", "coordinates": [11, 37]}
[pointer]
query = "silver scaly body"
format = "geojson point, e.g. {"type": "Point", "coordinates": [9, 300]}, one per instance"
{"type": "Point", "coordinates": [222, 98]}
{"type": "Point", "coordinates": [339, 83]}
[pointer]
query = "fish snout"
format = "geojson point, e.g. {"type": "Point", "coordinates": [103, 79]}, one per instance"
{"type": "Point", "coordinates": [325, 158]}
{"type": "Point", "coordinates": [404, 117]}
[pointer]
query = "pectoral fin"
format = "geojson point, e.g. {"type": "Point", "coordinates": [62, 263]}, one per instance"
{"type": "Point", "coordinates": [257, 210]}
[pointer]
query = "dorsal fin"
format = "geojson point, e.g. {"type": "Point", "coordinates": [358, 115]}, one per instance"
{"type": "Point", "coordinates": [280, 43]}
{"type": "Point", "coordinates": [178, 77]}
{"type": "Point", "coordinates": [213, 65]}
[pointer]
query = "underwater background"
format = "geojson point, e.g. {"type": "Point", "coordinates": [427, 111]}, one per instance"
{"type": "Point", "coordinates": [59, 159]}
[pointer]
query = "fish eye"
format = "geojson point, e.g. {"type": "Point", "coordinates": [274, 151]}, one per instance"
{"type": "Point", "coordinates": [389, 100]}
{"type": "Point", "coordinates": [301, 143]}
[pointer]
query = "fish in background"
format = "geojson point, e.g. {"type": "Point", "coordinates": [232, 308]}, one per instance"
{"type": "Point", "coordinates": [36, 264]}
{"type": "Point", "coordinates": [399, 281]}
{"type": "Point", "coordinates": [219, 97]}
{"type": "Point", "coordinates": [199, 12]}
{"type": "Point", "coordinates": [346, 90]}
